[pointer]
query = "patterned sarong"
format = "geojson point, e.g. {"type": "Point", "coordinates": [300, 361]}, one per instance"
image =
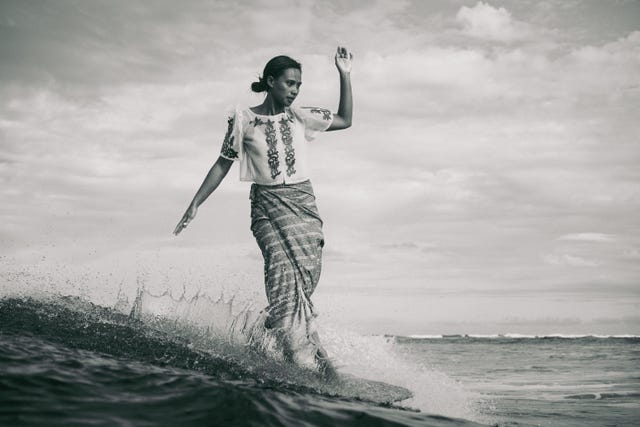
{"type": "Point", "coordinates": [288, 229]}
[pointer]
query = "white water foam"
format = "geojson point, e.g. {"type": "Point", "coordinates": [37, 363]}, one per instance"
{"type": "Point", "coordinates": [379, 358]}
{"type": "Point", "coordinates": [371, 357]}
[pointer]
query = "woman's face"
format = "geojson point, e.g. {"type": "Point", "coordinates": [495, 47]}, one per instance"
{"type": "Point", "coordinates": [285, 88]}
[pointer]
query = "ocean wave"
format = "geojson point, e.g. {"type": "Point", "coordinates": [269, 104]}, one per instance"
{"type": "Point", "coordinates": [80, 353]}
{"type": "Point", "coordinates": [51, 384]}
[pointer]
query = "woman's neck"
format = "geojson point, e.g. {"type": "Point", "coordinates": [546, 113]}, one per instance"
{"type": "Point", "coordinates": [269, 107]}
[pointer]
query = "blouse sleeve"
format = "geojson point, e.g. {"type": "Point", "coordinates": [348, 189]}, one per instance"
{"type": "Point", "coordinates": [315, 120]}
{"type": "Point", "coordinates": [232, 144]}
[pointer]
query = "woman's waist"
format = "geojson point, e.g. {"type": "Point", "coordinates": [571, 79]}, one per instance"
{"type": "Point", "coordinates": [283, 188]}
{"type": "Point", "coordinates": [284, 184]}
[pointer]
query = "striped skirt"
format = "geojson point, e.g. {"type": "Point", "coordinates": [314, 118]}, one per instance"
{"type": "Point", "coordinates": [288, 229]}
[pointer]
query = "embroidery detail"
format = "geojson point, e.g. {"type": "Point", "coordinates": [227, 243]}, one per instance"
{"type": "Point", "coordinates": [272, 154]}
{"type": "Point", "coordinates": [227, 146]}
{"type": "Point", "coordinates": [257, 122]}
{"type": "Point", "coordinates": [326, 114]}
{"type": "Point", "coordinates": [287, 139]}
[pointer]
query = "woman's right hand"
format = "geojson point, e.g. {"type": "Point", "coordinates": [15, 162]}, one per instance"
{"type": "Point", "coordinates": [189, 214]}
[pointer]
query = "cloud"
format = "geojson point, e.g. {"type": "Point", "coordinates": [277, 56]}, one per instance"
{"type": "Point", "coordinates": [484, 21]}
{"type": "Point", "coordinates": [588, 237]}
{"type": "Point", "coordinates": [569, 260]}
{"type": "Point", "coordinates": [631, 253]}
{"type": "Point", "coordinates": [478, 138]}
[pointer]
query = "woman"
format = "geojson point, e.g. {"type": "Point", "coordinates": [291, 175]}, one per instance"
{"type": "Point", "coordinates": [269, 142]}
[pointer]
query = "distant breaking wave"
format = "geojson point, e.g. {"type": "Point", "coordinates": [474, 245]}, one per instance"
{"type": "Point", "coordinates": [514, 336]}
{"type": "Point", "coordinates": [598, 396]}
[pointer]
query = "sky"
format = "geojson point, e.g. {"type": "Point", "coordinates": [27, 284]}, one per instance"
{"type": "Point", "coordinates": [489, 183]}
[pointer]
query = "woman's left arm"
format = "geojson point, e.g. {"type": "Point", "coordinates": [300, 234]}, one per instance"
{"type": "Point", "coordinates": [342, 119]}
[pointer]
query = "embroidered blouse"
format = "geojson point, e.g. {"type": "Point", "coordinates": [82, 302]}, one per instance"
{"type": "Point", "coordinates": [272, 149]}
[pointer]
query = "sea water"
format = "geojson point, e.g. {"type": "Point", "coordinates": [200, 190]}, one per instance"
{"type": "Point", "coordinates": [67, 361]}
{"type": "Point", "coordinates": [557, 380]}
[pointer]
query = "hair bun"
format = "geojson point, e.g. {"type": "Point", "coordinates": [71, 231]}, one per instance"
{"type": "Point", "coordinates": [259, 86]}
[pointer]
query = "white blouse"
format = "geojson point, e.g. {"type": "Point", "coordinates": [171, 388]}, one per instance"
{"type": "Point", "coordinates": [272, 149]}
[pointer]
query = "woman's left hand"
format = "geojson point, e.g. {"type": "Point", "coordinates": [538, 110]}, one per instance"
{"type": "Point", "coordinates": [344, 60]}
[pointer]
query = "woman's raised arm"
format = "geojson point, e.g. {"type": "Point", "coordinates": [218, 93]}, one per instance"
{"type": "Point", "coordinates": [215, 176]}
{"type": "Point", "coordinates": [342, 119]}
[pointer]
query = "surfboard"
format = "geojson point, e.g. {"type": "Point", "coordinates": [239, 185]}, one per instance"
{"type": "Point", "coordinates": [379, 392]}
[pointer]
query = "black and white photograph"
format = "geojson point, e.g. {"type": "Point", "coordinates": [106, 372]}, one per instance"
{"type": "Point", "coordinates": [320, 213]}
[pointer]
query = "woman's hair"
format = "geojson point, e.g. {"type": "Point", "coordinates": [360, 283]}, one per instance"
{"type": "Point", "coordinates": [274, 68]}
